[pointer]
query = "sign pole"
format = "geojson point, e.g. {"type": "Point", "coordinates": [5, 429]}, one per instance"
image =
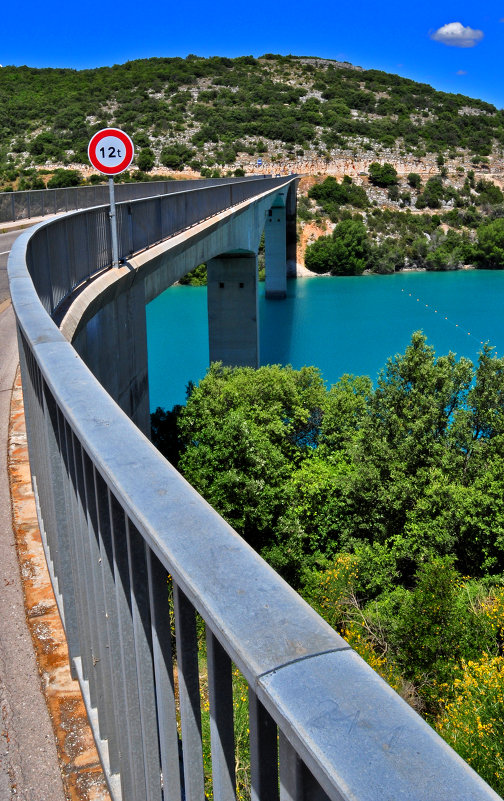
{"type": "Point", "coordinates": [113, 224]}
{"type": "Point", "coordinates": [111, 151]}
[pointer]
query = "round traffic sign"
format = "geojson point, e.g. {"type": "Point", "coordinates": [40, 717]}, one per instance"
{"type": "Point", "coordinates": [110, 151]}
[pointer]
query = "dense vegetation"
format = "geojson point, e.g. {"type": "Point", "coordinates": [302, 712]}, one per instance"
{"type": "Point", "coordinates": [466, 228]}
{"type": "Point", "coordinates": [384, 506]}
{"type": "Point", "coordinates": [205, 112]}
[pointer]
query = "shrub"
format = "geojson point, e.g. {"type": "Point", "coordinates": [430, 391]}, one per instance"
{"type": "Point", "coordinates": [176, 156]}
{"type": "Point", "coordinates": [330, 194]}
{"type": "Point", "coordinates": [437, 626]}
{"type": "Point", "coordinates": [414, 180]}
{"type": "Point", "coordinates": [473, 722]}
{"type": "Point", "coordinates": [64, 178]}
{"type": "Point", "coordinates": [432, 195]}
{"type": "Point", "coordinates": [345, 253]}
{"type": "Point", "coordinates": [145, 160]}
{"type": "Point", "coordinates": [383, 175]}
{"type": "Point", "coordinates": [489, 249]}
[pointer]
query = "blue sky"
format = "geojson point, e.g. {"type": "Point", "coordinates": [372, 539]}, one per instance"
{"type": "Point", "coordinates": [398, 37]}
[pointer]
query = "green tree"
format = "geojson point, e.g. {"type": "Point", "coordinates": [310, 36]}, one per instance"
{"type": "Point", "coordinates": [414, 180]}
{"type": "Point", "coordinates": [449, 251]}
{"type": "Point", "coordinates": [403, 438]}
{"type": "Point", "coordinates": [346, 252]}
{"type": "Point", "coordinates": [489, 193]}
{"type": "Point", "coordinates": [393, 193]}
{"type": "Point", "coordinates": [383, 175]}
{"type": "Point", "coordinates": [351, 248]}
{"type": "Point", "coordinates": [176, 156]}
{"type": "Point", "coordinates": [63, 178]}
{"type": "Point", "coordinates": [436, 626]}
{"type": "Point", "coordinates": [319, 256]}
{"type": "Point", "coordinates": [197, 277]}
{"type": "Point", "coordinates": [245, 431]}
{"type": "Point", "coordinates": [345, 408]}
{"type": "Point", "coordinates": [330, 194]}
{"type": "Point", "coordinates": [387, 256]}
{"type": "Point", "coordinates": [432, 195]}
{"type": "Point", "coordinates": [145, 160]}
{"type": "Point", "coordinates": [489, 248]}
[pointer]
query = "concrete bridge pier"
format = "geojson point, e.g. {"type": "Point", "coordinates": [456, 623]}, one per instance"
{"type": "Point", "coordinates": [233, 328]}
{"type": "Point", "coordinates": [275, 245]}
{"type": "Point", "coordinates": [291, 230]}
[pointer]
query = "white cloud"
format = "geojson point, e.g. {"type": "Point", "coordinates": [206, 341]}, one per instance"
{"type": "Point", "coordinates": [461, 72]}
{"type": "Point", "coordinates": [455, 35]}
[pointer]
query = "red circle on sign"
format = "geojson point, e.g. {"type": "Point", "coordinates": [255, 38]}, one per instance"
{"type": "Point", "coordinates": [111, 151]}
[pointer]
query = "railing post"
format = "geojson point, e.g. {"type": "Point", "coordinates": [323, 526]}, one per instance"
{"type": "Point", "coordinates": [220, 690]}
{"type": "Point", "coordinates": [163, 670]}
{"type": "Point", "coordinates": [125, 668]}
{"type": "Point", "coordinates": [54, 491]}
{"type": "Point", "coordinates": [117, 700]}
{"type": "Point", "coordinates": [189, 691]}
{"type": "Point", "coordinates": [263, 752]}
{"type": "Point", "coordinates": [140, 612]}
{"type": "Point", "coordinates": [107, 722]}
{"type": "Point", "coordinates": [291, 772]}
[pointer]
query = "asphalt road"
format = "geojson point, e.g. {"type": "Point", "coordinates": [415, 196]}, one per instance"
{"type": "Point", "coordinates": [6, 242]}
{"type": "Point", "coordinates": [28, 761]}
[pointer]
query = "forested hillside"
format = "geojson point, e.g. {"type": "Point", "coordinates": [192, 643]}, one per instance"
{"type": "Point", "coordinates": [224, 113]}
{"type": "Point", "coordinates": [388, 223]}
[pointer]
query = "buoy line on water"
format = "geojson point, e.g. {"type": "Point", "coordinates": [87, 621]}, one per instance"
{"type": "Point", "coordinates": [445, 317]}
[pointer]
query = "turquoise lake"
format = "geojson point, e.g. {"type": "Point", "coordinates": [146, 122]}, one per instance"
{"type": "Point", "coordinates": [341, 325]}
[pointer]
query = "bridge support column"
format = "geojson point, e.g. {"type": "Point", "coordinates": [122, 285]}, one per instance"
{"type": "Point", "coordinates": [232, 310]}
{"type": "Point", "coordinates": [275, 253]}
{"type": "Point", "coordinates": [291, 230]}
{"type": "Point", "coordinates": [113, 344]}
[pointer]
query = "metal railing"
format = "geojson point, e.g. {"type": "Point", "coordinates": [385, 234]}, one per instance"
{"type": "Point", "coordinates": [41, 202]}
{"type": "Point", "coordinates": [120, 526]}
{"type": "Point", "coordinates": [73, 248]}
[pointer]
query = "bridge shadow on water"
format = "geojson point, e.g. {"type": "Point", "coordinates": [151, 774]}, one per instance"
{"type": "Point", "coordinates": [177, 334]}
{"type": "Point", "coordinates": [277, 325]}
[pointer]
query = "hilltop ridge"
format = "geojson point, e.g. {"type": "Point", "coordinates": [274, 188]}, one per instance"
{"type": "Point", "coordinates": [202, 115]}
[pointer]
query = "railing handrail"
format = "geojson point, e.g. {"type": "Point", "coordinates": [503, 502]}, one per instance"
{"type": "Point", "coordinates": [358, 739]}
{"type": "Point", "coordinates": [27, 203]}
{"type": "Point", "coordinates": [80, 266]}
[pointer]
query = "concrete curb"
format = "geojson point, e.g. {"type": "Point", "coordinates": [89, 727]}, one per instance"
{"type": "Point", "coordinates": [81, 771]}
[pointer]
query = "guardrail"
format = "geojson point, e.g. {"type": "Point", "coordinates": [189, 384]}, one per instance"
{"type": "Point", "coordinates": [120, 527]}
{"type": "Point", "coordinates": [73, 249]}
{"type": "Point", "coordinates": [41, 202]}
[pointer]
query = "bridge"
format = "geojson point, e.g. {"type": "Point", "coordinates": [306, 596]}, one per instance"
{"type": "Point", "coordinates": [134, 551]}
